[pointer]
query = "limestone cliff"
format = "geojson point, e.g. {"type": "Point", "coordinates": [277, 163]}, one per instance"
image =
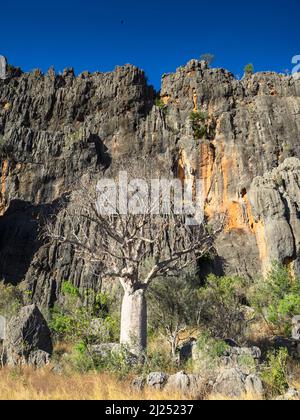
{"type": "Point", "coordinates": [57, 129]}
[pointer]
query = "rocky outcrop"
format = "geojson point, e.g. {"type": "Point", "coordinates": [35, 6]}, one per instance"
{"type": "Point", "coordinates": [253, 127]}
{"type": "Point", "coordinates": [156, 380]}
{"type": "Point", "coordinates": [275, 200]}
{"type": "Point", "coordinates": [56, 130]}
{"type": "Point", "coordinates": [27, 339]}
{"type": "Point", "coordinates": [59, 130]}
{"type": "Point", "coordinates": [232, 383]}
{"type": "Point", "coordinates": [291, 395]}
{"type": "Point", "coordinates": [184, 384]}
{"type": "Point", "coordinates": [229, 383]}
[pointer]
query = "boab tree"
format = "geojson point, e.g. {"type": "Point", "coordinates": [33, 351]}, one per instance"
{"type": "Point", "coordinates": [133, 249]}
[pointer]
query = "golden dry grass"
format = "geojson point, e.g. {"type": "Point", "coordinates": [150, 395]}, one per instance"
{"type": "Point", "coordinates": [29, 384]}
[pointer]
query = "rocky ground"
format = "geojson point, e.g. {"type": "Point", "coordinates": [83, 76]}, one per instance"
{"type": "Point", "coordinates": [235, 374]}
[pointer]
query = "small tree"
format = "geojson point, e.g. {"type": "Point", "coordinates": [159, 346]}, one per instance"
{"type": "Point", "coordinates": [12, 299]}
{"type": "Point", "coordinates": [122, 243]}
{"type": "Point", "coordinates": [208, 58]}
{"type": "Point", "coordinates": [174, 307]}
{"type": "Point", "coordinates": [199, 124]}
{"type": "Point", "coordinates": [83, 316]}
{"type": "Point", "coordinates": [277, 298]}
{"type": "Point", "coordinates": [275, 372]}
{"type": "Point", "coordinates": [249, 69]}
{"type": "Point", "coordinates": [222, 310]}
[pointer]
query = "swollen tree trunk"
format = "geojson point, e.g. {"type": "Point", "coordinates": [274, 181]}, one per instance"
{"type": "Point", "coordinates": [173, 347]}
{"type": "Point", "coordinates": [134, 320]}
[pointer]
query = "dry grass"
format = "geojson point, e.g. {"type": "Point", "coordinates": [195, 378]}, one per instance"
{"type": "Point", "coordinates": [28, 384]}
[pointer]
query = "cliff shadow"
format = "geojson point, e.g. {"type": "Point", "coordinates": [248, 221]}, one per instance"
{"type": "Point", "coordinates": [20, 237]}
{"type": "Point", "coordinates": [104, 159]}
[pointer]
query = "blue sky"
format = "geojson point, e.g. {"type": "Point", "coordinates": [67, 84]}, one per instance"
{"type": "Point", "coordinates": [157, 36]}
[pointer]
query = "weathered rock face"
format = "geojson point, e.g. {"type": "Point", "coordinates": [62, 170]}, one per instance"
{"type": "Point", "coordinates": [28, 339]}
{"type": "Point", "coordinates": [157, 380]}
{"type": "Point", "coordinates": [56, 130]}
{"type": "Point", "coordinates": [253, 127]}
{"type": "Point", "coordinates": [232, 383]}
{"type": "Point", "coordinates": [52, 134]}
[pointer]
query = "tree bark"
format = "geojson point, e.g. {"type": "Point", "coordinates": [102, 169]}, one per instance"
{"type": "Point", "coordinates": [173, 347]}
{"type": "Point", "coordinates": [134, 321]}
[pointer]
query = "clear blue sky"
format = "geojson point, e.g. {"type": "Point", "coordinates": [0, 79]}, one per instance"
{"type": "Point", "coordinates": [157, 36]}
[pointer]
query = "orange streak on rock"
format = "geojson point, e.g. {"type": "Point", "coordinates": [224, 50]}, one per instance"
{"type": "Point", "coordinates": [259, 230]}
{"type": "Point", "coordinates": [5, 171]}
{"type": "Point", "coordinates": [195, 100]}
{"type": "Point", "coordinates": [166, 99]}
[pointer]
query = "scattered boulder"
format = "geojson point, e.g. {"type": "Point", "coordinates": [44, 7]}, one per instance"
{"type": "Point", "coordinates": [138, 384]}
{"type": "Point", "coordinates": [185, 384]}
{"type": "Point", "coordinates": [246, 359]}
{"type": "Point", "coordinates": [157, 380]}
{"type": "Point", "coordinates": [38, 358]}
{"type": "Point", "coordinates": [230, 383]}
{"type": "Point", "coordinates": [291, 395]}
{"type": "Point", "coordinates": [254, 387]}
{"type": "Point", "coordinates": [296, 328]}
{"type": "Point", "coordinates": [286, 343]}
{"type": "Point", "coordinates": [28, 339]}
{"type": "Point", "coordinates": [233, 383]}
{"type": "Point", "coordinates": [58, 369]}
{"type": "Point", "coordinates": [236, 352]}
{"type": "Point", "coordinates": [105, 350]}
{"type": "Point", "coordinates": [296, 333]}
{"type": "Point", "coordinates": [179, 382]}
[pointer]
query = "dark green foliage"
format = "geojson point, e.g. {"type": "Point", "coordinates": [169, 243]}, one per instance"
{"type": "Point", "coordinates": [275, 372]}
{"type": "Point", "coordinates": [159, 102]}
{"type": "Point", "coordinates": [198, 120]}
{"type": "Point", "coordinates": [215, 347]}
{"type": "Point", "coordinates": [73, 319]}
{"type": "Point", "coordinates": [222, 307]}
{"type": "Point", "coordinates": [249, 69]}
{"type": "Point", "coordinates": [277, 298]}
{"type": "Point", "coordinates": [174, 306]}
{"type": "Point", "coordinates": [12, 299]}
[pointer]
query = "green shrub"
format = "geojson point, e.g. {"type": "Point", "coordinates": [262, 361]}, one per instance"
{"type": "Point", "coordinates": [275, 372]}
{"type": "Point", "coordinates": [158, 360]}
{"type": "Point", "coordinates": [198, 120]}
{"type": "Point", "coordinates": [277, 298]}
{"type": "Point", "coordinates": [11, 300]}
{"type": "Point", "coordinates": [80, 360]}
{"type": "Point", "coordinates": [159, 102]}
{"type": "Point", "coordinates": [222, 307]}
{"type": "Point", "coordinates": [207, 356]}
{"type": "Point", "coordinates": [10, 68]}
{"type": "Point", "coordinates": [84, 316]}
{"type": "Point", "coordinates": [215, 347]}
{"type": "Point", "coordinates": [174, 307]}
{"type": "Point", "coordinates": [249, 69]}
{"type": "Point", "coordinates": [161, 105]}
